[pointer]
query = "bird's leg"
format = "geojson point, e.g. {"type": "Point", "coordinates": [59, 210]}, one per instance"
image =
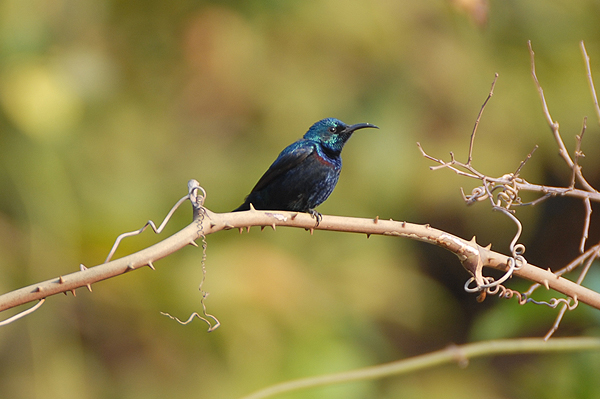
{"type": "Point", "coordinates": [315, 214]}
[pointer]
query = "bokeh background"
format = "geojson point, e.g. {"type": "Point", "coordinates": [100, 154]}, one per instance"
{"type": "Point", "coordinates": [108, 108]}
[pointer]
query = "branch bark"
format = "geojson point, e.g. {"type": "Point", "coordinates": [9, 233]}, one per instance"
{"type": "Point", "coordinates": [206, 222]}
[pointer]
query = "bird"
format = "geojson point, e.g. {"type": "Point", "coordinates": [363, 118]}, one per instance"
{"type": "Point", "coordinates": [305, 172]}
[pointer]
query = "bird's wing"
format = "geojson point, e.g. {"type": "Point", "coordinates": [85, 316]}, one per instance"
{"type": "Point", "coordinates": [288, 159]}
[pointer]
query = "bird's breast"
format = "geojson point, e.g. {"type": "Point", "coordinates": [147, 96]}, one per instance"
{"type": "Point", "coordinates": [323, 159]}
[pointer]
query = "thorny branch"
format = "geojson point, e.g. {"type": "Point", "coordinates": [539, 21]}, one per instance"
{"type": "Point", "coordinates": [473, 256]}
{"type": "Point", "coordinates": [503, 194]}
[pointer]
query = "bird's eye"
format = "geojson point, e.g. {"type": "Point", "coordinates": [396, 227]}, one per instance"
{"type": "Point", "coordinates": [332, 129]}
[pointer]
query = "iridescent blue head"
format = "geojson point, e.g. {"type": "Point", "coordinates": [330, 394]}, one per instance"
{"type": "Point", "coordinates": [333, 133]}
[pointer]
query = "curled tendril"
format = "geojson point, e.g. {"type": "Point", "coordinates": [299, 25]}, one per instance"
{"type": "Point", "coordinates": [571, 303]}
{"type": "Point", "coordinates": [506, 198]}
{"type": "Point", "coordinates": [193, 188]}
{"type": "Point", "coordinates": [507, 293]}
{"type": "Point", "coordinates": [469, 289]}
{"type": "Point", "coordinates": [516, 262]}
{"type": "Point", "coordinates": [477, 194]}
{"type": "Point", "coordinates": [489, 283]}
{"type": "Point", "coordinates": [493, 288]}
{"type": "Point", "coordinates": [198, 202]}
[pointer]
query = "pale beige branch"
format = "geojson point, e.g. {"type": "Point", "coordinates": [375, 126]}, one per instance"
{"type": "Point", "coordinates": [472, 142]}
{"type": "Point", "coordinates": [564, 307]}
{"type": "Point", "coordinates": [562, 149]}
{"type": "Point", "coordinates": [588, 69]}
{"type": "Point", "coordinates": [467, 251]}
{"type": "Point", "coordinates": [511, 179]}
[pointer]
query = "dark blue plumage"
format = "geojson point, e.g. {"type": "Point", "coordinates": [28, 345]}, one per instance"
{"type": "Point", "coordinates": [306, 172]}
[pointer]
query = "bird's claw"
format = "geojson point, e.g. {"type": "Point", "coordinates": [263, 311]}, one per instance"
{"type": "Point", "coordinates": [315, 214]}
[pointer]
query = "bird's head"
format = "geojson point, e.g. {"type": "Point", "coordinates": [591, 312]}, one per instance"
{"type": "Point", "coordinates": [333, 133]}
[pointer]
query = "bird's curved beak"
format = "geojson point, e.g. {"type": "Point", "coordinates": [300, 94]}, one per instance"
{"type": "Point", "coordinates": [357, 126]}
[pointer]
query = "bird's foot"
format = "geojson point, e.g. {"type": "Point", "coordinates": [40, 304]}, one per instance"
{"type": "Point", "coordinates": [315, 214]}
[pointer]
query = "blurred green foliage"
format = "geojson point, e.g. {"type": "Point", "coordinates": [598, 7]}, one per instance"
{"type": "Point", "coordinates": [107, 108]}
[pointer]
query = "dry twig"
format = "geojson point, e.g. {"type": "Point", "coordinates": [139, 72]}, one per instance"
{"type": "Point", "coordinates": [503, 194]}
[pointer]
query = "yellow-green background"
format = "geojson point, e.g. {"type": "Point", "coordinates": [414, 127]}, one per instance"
{"type": "Point", "coordinates": [107, 108]}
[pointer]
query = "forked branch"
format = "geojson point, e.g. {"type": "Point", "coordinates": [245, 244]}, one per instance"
{"type": "Point", "coordinates": [503, 194]}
